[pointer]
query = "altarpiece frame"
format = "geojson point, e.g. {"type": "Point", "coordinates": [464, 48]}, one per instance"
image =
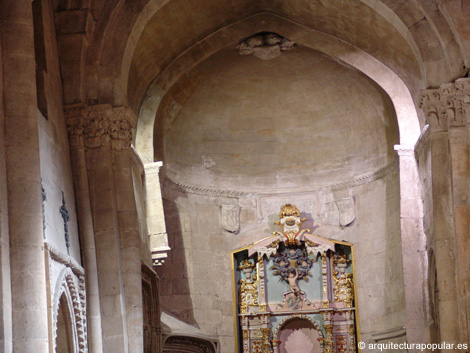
{"type": "Point", "coordinates": [294, 291]}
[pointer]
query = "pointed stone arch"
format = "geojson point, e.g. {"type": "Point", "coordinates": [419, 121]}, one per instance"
{"type": "Point", "coordinates": [409, 121]}
{"type": "Point", "coordinates": [65, 335]}
{"type": "Point", "coordinates": [68, 291]}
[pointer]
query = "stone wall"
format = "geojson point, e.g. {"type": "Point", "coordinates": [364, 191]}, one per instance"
{"type": "Point", "coordinates": [57, 183]}
{"type": "Point", "coordinates": [63, 263]}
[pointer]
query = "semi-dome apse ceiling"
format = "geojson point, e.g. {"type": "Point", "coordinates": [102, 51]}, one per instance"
{"type": "Point", "coordinates": [299, 120]}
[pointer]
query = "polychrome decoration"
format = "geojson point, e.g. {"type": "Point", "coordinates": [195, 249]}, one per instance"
{"type": "Point", "coordinates": [295, 292]}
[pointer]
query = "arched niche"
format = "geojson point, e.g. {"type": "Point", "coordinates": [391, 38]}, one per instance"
{"type": "Point", "coordinates": [65, 342]}
{"type": "Point", "coordinates": [299, 334]}
{"type": "Point", "coordinates": [68, 314]}
{"type": "Point", "coordinates": [408, 120]}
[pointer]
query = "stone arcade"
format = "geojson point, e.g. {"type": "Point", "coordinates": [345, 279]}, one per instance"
{"type": "Point", "coordinates": [147, 146]}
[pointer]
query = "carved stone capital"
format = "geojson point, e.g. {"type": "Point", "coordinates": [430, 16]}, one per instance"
{"type": "Point", "coordinates": [153, 168]}
{"type": "Point", "coordinates": [403, 150]}
{"type": "Point", "coordinates": [99, 125]}
{"type": "Point", "coordinates": [448, 106]}
{"type": "Point", "coordinates": [433, 103]}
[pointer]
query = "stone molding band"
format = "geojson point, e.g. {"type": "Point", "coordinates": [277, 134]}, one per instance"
{"type": "Point", "coordinates": [208, 191]}
{"type": "Point", "coordinates": [205, 191]}
{"type": "Point", "coordinates": [364, 179]}
{"type": "Point", "coordinates": [64, 259]}
{"type": "Point", "coordinates": [71, 283]}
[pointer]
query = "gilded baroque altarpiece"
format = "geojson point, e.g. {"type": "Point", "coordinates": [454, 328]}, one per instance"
{"type": "Point", "coordinates": [295, 292]}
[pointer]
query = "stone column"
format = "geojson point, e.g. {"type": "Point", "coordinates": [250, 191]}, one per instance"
{"type": "Point", "coordinates": [442, 237]}
{"type": "Point", "coordinates": [105, 134]}
{"type": "Point", "coordinates": [5, 279]}
{"type": "Point", "coordinates": [155, 216]}
{"type": "Point", "coordinates": [130, 246]}
{"type": "Point", "coordinates": [457, 99]}
{"type": "Point", "coordinates": [413, 246]}
{"type": "Point", "coordinates": [28, 286]}
{"type": "Point", "coordinates": [85, 221]}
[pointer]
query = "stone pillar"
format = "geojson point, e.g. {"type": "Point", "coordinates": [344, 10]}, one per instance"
{"type": "Point", "coordinates": [457, 99]}
{"type": "Point", "coordinates": [130, 246]}
{"type": "Point", "coordinates": [85, 221]}
{"type": "Point", "coordinates": [443, 238]}
{"type": "Point", "coordinates": [5, 279]}
{"type": "Point", "coordinates": [105, 135]}
{"type": "Point", "coordinates": [413, 242]}
{"type": "Point", "coordinates": [28, 286]}
{"type": "Point", "coordinates": [155, 216]}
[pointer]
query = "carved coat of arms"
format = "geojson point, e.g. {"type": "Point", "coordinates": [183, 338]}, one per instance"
{"type": "Point", "coordinates": [231, 218]}
{"type": "Point", "coordinates": [347, 214]}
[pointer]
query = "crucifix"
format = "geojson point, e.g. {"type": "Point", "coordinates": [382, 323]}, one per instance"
{"type": "Point", "coordinates": [44, 198]}
{"type": "Point", "coordinates": [66, 217]}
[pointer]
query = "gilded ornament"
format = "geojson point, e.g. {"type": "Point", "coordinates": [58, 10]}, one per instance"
{"type": "Point", "coordinates": [343, 287]}
{"type": "Point", "coordinates": [292, 255]}
{"type": "Point", "coordinates": [290, 222]}
{"type": "Point", "coordinates": [266, 340]}
{"type": "Point", "coordinates": [328, 340]}
{"type": "Point", "coordinates": [248, 291]}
